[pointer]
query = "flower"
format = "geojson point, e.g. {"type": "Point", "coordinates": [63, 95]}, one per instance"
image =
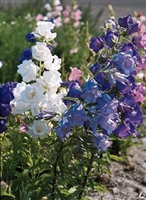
{"type": "Point", "coordinates": [28, 70]}
{"type": "Point", "coordinates": [40, 51]}
{"type": "Point", "coordinates": [44, 29]}
{"type": "Point", "coordinates": [96, 44]}
{"type": "Point", "coordinates": [101, 141]}
{"type": "Point", "coordinates": [128, 23]}
{"type": "Point", "coordinates": [26, 55]}
{"type": "Point", "coordinates": [38, 129]}
{"type": "Point", "coordinates": [111, 38]}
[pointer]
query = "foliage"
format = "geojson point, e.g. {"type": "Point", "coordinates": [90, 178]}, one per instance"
{"type": "Point", "coordinates": [57, 136]}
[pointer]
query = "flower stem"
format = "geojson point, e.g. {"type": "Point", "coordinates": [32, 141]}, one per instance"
{"type": "Point", "coordinates": [55, 171]}
{"type": "Point", "coordinates": [83, 185]}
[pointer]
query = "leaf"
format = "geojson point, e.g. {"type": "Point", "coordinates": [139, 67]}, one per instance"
{"type": "Point", "coordinates": [8, 195]}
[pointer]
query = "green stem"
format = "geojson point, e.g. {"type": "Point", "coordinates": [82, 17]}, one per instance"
{"type": "Point", "coordinates": [55, 171]}
{"type": "Point", "coordinates": [83, 185]}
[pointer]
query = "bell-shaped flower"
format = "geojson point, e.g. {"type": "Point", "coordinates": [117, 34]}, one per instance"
{"type": "Point", "coordinates": [101, 141]}
{"type": "Point", "coordinates": [32, 93]}
{"type": "Point", "coordinates": [28, 70]}
{"type": "Point", "coordinates": [38, 129]}
{"type": "Point", "coordinates": [40, 51]}
{"type": "Point", "coordinates": [44, 30]}
{"type": "Point", "coordinates": [96, 44]}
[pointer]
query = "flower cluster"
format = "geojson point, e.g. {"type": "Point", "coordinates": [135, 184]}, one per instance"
{"type": "Point", "coordinates": [61, 15]}
{"type": "Point", "coordinates": [37, 96]}
{"type": "Point", "coordinates": [6, 95]}
{"type": "Point", "coordinates": [99, 103]}
{"type": "Point", "coordinates": [107, 102]}
{"type": "Point", "coordinates": [139, 40]}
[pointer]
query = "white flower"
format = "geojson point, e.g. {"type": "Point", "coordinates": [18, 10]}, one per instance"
{"type": "Point", "coordinates": [40, 51]}
{"type": "Point", "coordinates": [53, 63]}
{"type": "Point", "coordinates": [1, 64]}
{"type": "Point", "coordinates": [38, 129]}
{"type": "Point", "coordinates": [32, 93]}
{"type": "Point", "coordinates": [57, 2]}
{"type": "Point", "coordinates": [43, 30]}
{"type": "Point", "coordinates": [28, 70]}
{"type": "Point", "coordinates": [17, 104]}
{"type": "Point", "coordinates": [52, 78]}
{"type": "Point", "coordinates": [47, 6]}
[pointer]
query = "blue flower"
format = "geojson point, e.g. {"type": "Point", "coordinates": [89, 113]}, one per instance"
{"type": "Point", "coordinates": [128, 23]}
{"type": "Point", "coordinates": [130, 109]}
{"type": "Point", "coordinates": [30, 37]}
{"type": "Point", "coordinates": [111, 38]}
{"type": "Point", "coordinates": [100, 76]}
{"type": "Point", "coordinates": [26, 55]}
{"type": "Point", "coordinates": [75, 91]}
{"type": "Point", "coordinates": [101, 141]}
{"type": "Point", "coordinates": [96, 44]}
{"type": "Point", "coordinates": [124, 63]}
{"type": "Point", "coordinates": [90, 92]}
{"type": "Point", "coordinates": [76, 115]}
{"type": "Point", "coordinates": [5, 110]}
{"type": "Point", "coordinates": [111, 24]}
{"type": "Point", "coordinates": [63, 130]}
{"type": "Point", "coordinates": [6, 94]}
{"type": "Point", "coordinates": [126, 129]}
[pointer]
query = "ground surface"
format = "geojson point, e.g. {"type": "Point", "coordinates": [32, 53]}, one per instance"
{"type": "Point", "coordinates": [127, 182]}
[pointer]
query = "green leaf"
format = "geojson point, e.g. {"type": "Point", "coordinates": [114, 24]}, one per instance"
{"type": "Point", "coordinates": [8, 195]}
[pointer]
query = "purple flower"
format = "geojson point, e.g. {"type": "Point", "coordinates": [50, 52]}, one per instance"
{"type": "Point", "coordinates": [6, 94]}
{"type": "Point", "coordinates": [124, 63]}
{"type": "Point", "coordinates": [111, 38]}
{"type": "Point", "coordinates": [26, 55]}
{"type": "Point", "coordinates": [130, 109]}
{"type": "Point", "coordinates": [5, 109]}
{"type": "Point", "coordinates": [75, 91]}
{"type": "Point", "coordinates": [90, 92]}
{"type": "Point", "coordinates": [63, 130]}
{"type": "Point", "coordinates": [111, 24]}
{"type": "Point", "coordinates": [126, 129]}
{"type": "Point", "coordinates": [96, 44]}
{"type": "Point", "coordinates": [131, 49]}
{"type": "Point", "coordinates": [76, 115]}
{"type": "Point", "coordinates": [30, 37]}
{"type": "Point", "coordinates": [100, 77]}
{"type": "Point", "coordinates": [101, 141]}
{"type": "Point", "coordinates": [128, 23]}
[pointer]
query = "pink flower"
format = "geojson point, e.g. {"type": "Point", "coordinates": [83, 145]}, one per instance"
{"type": "Point", "coordinates": [75, 74]}
{"type": "Point", "coordinates": [140, 41]}
{"type": "Point", "coordinates": [47, 6]}
{"type": "Point", "coordinates": [39, 17]}
{"type": "Point", "coordinates": [66, 20]}
{"type": "Point", "coordinates": [58, 21]}
{"type": "Point", "coordinates": [76, 15]}
{"type": "Point", "coordinates": [59, 8]}
{"type": "Point", "coordinates": [76, 24]}
{"type": "Point", "coordinates": [140, 93]}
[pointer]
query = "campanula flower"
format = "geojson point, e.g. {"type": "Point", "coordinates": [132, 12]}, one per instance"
{"type": "Point", "coordinates": [101, 141]}
{"type": "Point", "coordinates": [26, 55]}
{"type": "Point", "coordinates": [111, 38]}
{"type": "Point", "coordinates": [128, 23]}
{"type": "Point", "coordinates": [124, 63]}
{"type": "Point", "coordinates": [96, 44]}
{"type": "Point", "coordinates": [30, 37]}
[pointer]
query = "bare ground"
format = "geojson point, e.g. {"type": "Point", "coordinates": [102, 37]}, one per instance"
{"type": "Point", "coordinates": [126, 182]}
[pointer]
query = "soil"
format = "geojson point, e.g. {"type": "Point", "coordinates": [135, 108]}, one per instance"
{"type": "Point", "coordinates": [126, 182]}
